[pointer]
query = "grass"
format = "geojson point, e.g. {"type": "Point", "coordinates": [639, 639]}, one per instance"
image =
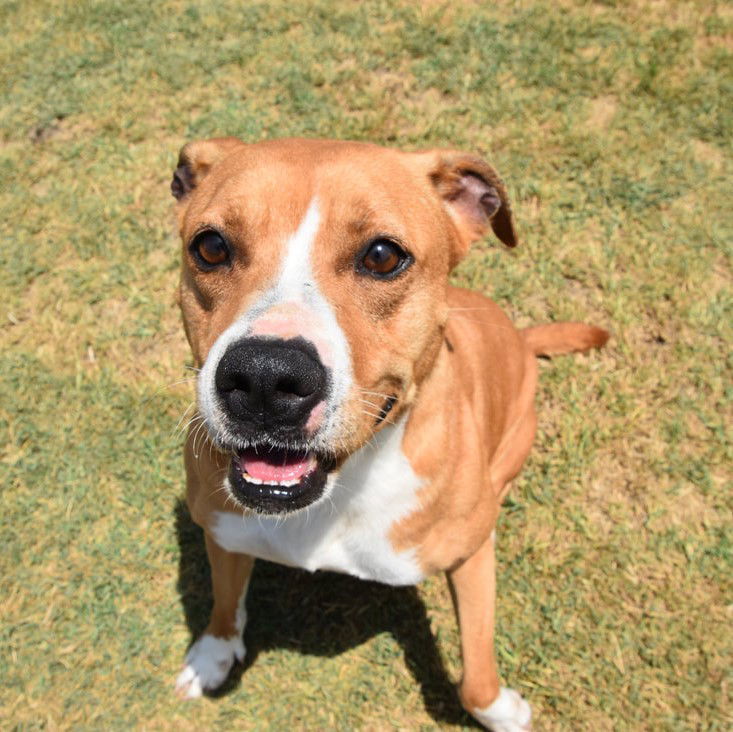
{"type": "Point", "coordinates": [611, 123]}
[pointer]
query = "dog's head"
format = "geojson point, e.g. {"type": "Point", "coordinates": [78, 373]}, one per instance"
{"type": "Point", "coordinates": [313, 293]}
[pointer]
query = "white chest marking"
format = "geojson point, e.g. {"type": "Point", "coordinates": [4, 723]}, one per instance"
{"type": "Point", "coordinates": [348, 531]}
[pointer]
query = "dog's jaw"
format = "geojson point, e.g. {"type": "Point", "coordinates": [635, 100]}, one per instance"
{"type": "Point", "coordinates": [275, 493]}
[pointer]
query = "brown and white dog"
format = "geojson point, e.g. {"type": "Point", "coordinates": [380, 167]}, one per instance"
{"type": "Point", "coordinates": [351, 424]}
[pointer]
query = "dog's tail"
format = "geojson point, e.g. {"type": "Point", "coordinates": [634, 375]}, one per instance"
{"type": "Point", "coordinates": [556, 338]}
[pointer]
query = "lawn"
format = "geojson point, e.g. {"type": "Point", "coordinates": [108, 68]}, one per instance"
{"type": "Point", "coordinates": [611, 123]}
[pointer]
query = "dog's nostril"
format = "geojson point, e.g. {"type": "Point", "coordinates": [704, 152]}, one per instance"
{"type": "Point", "coordinates": [236, 382]}
{"type": "Point", "coordinates": [294, 386]}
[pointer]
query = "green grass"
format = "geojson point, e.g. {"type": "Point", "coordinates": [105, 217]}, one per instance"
{"type": "Point", "coordinates": [612, 124]}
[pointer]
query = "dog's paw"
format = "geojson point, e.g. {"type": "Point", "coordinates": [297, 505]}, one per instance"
{"type": "Point", "coordinates": [509, 712]}
{"type": "Point", "coordinates": [207, 664]}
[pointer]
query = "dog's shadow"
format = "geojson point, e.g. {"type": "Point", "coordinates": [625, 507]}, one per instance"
{"type": "Point", "coordinates": [322, 614]}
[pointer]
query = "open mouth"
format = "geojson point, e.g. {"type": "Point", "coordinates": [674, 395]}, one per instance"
{"type": "Point", "coordinates": [276, 480]}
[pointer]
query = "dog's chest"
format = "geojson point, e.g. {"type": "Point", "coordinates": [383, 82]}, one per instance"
{"type": "Point", "coordinates": [347, 532]}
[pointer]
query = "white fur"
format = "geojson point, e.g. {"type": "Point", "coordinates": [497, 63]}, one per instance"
{"type": "Point", "coordinates": [346, 532]}
{"type": "Point", "coordinates": [296, 284]}
{"type": "Point", "coordinates": [295, 274]}
{"type": "Point", "coordinates": [509, 712]}
{"type": "Point", "coordinates": [210, 659]}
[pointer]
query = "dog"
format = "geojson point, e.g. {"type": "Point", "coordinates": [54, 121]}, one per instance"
{"type": "Point", "coordinates": [345, 421]}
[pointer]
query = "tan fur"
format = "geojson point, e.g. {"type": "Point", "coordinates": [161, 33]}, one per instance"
{"type": "Point", "coordinates": [463, 375]}
{"type": "Point", "coordinates": [557, 338]}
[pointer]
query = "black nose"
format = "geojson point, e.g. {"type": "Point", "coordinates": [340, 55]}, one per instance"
{"type": "Point", "coordinates": [267, 383]}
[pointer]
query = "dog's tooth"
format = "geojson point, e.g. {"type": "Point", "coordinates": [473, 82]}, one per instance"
{"type": "Point", "coordinates": [281, 483]}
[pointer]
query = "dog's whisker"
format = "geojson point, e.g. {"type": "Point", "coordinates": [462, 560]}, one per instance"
{"type": "Point", "coordinates": [371, 414]}
{"type": "Point", "coordinates": [196, 418]}
{"type": "Point", "coordinates": [376, 393]}
{"type": "Point", "coordinates": [165, 387]}
{"type": "Point", "coordinates": [370, 403]}
{"type": "Point", "coordinates": [200, 432]}
{"type": "Point", "coordinates": [183, 416]}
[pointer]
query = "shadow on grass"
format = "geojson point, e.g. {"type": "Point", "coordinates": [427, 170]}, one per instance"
{"type": "Point", "coordinates": [322, 614]}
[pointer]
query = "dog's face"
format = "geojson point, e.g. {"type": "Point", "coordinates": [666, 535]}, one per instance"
{"type": "Point", "coordinates": [313, 293]}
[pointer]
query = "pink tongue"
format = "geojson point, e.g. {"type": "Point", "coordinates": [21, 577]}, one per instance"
{"type": "Point", "coordinates": [276, 466]}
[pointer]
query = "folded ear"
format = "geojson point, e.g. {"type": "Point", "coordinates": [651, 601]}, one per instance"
{"type": "Point", "coordinates": [196, 159]}
{"type": "Point", "coordinates": [474, 196]}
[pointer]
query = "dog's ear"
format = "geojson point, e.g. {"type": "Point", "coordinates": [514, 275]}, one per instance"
{"type": "Point", "coordinates": [196, 159]}
{"type": "Point", "coordinates": [474, 196]}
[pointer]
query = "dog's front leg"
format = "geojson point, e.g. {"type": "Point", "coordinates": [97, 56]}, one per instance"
{"type": "Point", "coordinates": [473, 586]}
{"type": "Point", "coordinates": [212, 656]}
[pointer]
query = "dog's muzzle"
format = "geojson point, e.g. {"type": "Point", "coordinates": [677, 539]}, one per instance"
{"type": "Point", "coordinates": [271, 385]}
{"type": "Point", "coordinates": [269, 390]}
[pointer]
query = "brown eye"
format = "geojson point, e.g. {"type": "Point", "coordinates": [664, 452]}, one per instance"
{"type": "Point", "coordinates": [383, 259]}
{"type": "Point", "coordinates": [210, 250]}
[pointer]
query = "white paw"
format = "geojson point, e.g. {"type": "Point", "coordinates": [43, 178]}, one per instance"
{"type": "Point", "coordinates": [208, 663]}
{"type": "Point", "coordinates": [507, 713]}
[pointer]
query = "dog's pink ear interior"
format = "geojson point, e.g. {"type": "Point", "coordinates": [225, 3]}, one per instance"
{"type": "Point", "coordinates": [196, 159]}
{"type": "Point", "coordinates": [475, 198]}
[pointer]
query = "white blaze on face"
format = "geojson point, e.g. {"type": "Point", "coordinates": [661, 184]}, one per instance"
{"type": "Point", "coordinates": [293, 307]}
{"type": "Point", "coordinates": [296, 275]}
{"type": "Point", "coordinates": [296, 310]}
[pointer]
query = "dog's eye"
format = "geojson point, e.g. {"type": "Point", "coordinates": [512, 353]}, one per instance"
{"type": "Point", "coordinates": [210, 250]}
{"type": "Point", "coordinates": [383, 258]}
